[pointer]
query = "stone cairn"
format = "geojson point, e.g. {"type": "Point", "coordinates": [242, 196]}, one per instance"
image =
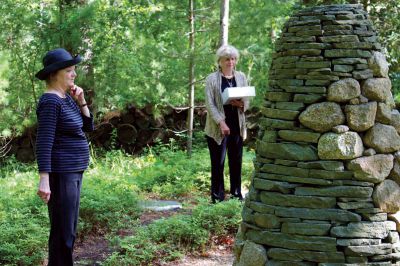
{"type": "Point", "coordinates": [325, 190]}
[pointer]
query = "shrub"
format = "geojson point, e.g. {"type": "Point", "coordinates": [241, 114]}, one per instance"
{"type": "Point", "coordinates": [179, 231]}
{"type": "Point", "coordinates": [172, 174]}
{"type": "Point", "coordinates": [111, 188]}
{"type": "Point", "coordinates": [107, 204]}
{"type": "Point", "coordinates": [167, 239]}
{"type": "Point", "coordinates": [218, 219]}
{"type": "Point", "coordinates": [24, 223]}
{"type": "Point", "coordinates": [139, 249]}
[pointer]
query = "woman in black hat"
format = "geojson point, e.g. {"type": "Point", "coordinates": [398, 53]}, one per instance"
{"type": "Point", "coordinates": [62, 150]}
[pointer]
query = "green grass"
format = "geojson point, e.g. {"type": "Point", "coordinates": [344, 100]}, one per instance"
{"type": "Point", "coordinates": [24, 222]}
{"type": "Point", "coordinates": [168, 239]}
{"type": "Point", "coordinates": [112, 186]}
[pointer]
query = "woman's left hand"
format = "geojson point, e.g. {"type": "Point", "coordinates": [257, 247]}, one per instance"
{"type": "Point", "coordinates": [77, 93]}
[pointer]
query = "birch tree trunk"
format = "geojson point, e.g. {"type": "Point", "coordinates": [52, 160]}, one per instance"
{"type": "Point", "coordinates": [224, 22]}
{"type": "Point", "coordinates": [191, 79]}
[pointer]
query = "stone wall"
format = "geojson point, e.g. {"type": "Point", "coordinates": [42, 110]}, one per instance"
{"type": "Point", "coordinates": [325, 190]}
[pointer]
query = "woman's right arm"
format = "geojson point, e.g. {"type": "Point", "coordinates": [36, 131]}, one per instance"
{"type": "Point", "coordinates": [215, 114]}
{"type": "Point", "coordinates": [47, 115]}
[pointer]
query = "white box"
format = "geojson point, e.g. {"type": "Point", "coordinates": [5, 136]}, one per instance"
{"type": "Point", "coordinates": [237, 93]}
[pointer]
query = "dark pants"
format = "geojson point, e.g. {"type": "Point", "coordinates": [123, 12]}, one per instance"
{"type": "Point", "coordinates": [63, 212]}
{"type": "Point", "coordinates": [234, 145]}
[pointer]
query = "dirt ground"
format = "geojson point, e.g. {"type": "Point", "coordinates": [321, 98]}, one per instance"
{"type": "Point", "coordinates": [220, 254]}
{"type": "Point", "coordinates": [213, 258]}
{"type": "Point", "coordinates": [92, 251]}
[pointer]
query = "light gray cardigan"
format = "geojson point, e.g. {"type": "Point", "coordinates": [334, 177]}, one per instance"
{"type": "Point", "coordinates": [215, 108]}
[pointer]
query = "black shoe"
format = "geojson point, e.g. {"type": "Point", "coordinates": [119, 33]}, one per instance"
{"type": "Point", "coordinates": [237, 196]}
{"type": "Point", "coordinates": [216, 199]}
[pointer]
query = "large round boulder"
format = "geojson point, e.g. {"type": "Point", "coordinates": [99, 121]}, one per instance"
{"type": "Point", "coordinates": [377, 89]}
{"type": "Point", "coordinates": [372, 169]}
{"type": "Point", "coordinates": [383, 114]}
{"type": "Point", "coordinates": [377, 62]}
{"type": "Point", "coordinates": [253, 255]}
{"type": "Point", "coordinates": [344, 90]}
{"type": "Point", "coordinates": [395, 173]}
{"type": "Point", "coordinates": [386, 196]}
{"type": "Point", "coordinates": [322, 117]}
{"type": "Point", "coordinates": [383, 138]}
{"type": "Point", "coordinates": [344, 146]}
{"type": "Point", "coordinates": [361, 117]}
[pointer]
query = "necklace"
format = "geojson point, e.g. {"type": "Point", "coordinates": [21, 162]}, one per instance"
{"type": "Point", "coordinates": [230, 81]}
{"type": "Point", "coordinates": [59, 92]}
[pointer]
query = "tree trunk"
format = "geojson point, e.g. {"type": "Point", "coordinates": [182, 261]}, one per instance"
{"type": "Point", "coordinates": [224, 22]}
{"type": "Point", "coordinates": [191, 80]}
{"type": "Point", "coordinates": [365, 4]}
{"type": "Point", "coordinates": [60, 21]}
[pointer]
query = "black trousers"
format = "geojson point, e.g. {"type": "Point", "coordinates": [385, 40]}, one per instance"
{"type": "Point", "coordinates": [234, 145]}
{"type": "Point", "coordinates": [63, 212]}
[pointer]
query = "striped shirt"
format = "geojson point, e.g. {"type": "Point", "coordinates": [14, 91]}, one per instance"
{"type": "Point", "coordinates": [61, 145]}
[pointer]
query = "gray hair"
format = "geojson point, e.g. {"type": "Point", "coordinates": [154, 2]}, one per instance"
{"type": "Point", "coordinates": [227, 51]}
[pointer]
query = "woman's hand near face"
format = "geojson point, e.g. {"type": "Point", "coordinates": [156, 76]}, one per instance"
{"type": "Point", "coordinates": [44, 187]}
{"type": "Point", "coordinates": [77, 93]}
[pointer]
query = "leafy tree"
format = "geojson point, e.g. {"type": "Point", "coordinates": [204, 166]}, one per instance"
{"type": "Point", "coordinates": [385, 16]}
{"type": "Point", "coordinates": [136, 52]}
{"type": "Point", "coordinates": [254, 33]}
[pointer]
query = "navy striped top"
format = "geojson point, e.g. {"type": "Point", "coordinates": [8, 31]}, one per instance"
{"type": "Point", "coordinates": [61, 145]}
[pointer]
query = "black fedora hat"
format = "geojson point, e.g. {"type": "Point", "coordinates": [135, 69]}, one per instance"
{"type": "Point", "coordinates": [55, 60]}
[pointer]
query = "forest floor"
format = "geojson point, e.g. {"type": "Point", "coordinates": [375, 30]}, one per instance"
{"type": "Point", "coordinates": [94, 249]}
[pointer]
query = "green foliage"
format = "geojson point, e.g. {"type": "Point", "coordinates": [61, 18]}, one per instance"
{"type": "Point", "coordinates": [134, 51]}
{"type": "Point", "coordinates": [102, 209]}
{"type": "Point", "coordinates": [4, 96]}
{"type": "Point", "coordinates": [395, 78]}
{"type": "Point", "coordinates": [140, 249]}
{"type": "Point", "coordinates": [254, 27]}
{"type": "Point", "coordinates": [172, 175]}
{"type": "Point", "coordinates": [167, 172]}
{"type": "Point", "coordinates": [111, 188]}
{"type": "Point", "coordinates": [180, 231]}
{"type": "Point", "coordinates": [167, 239]}
{"type": "Point", "coordinates": [24, 223]}
{"type": "Point", "coordinates": [11, 167]}
{"type": "Point", "coordinates": [219, 219]}
{"type": "Point", "coordinates": [108, 202]}
{"type": "Point", "coordinates": [385, 16]}
{"type": "Point", "coordinates": [163, 170]}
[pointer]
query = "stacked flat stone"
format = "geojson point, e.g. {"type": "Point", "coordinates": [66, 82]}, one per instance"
{"type": "Point", "coordinates": [325, 190]}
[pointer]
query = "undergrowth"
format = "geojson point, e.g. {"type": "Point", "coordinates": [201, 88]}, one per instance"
{"type": "Point", "coordinates": [112, 188]}
{"type": "Point", "coordinates": [170, 238]}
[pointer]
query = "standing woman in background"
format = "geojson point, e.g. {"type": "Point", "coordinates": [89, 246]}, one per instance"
{"type": "Point", "coordinates": [62, 150]}
{"type": "Point", "coordinates": [225, 125]}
